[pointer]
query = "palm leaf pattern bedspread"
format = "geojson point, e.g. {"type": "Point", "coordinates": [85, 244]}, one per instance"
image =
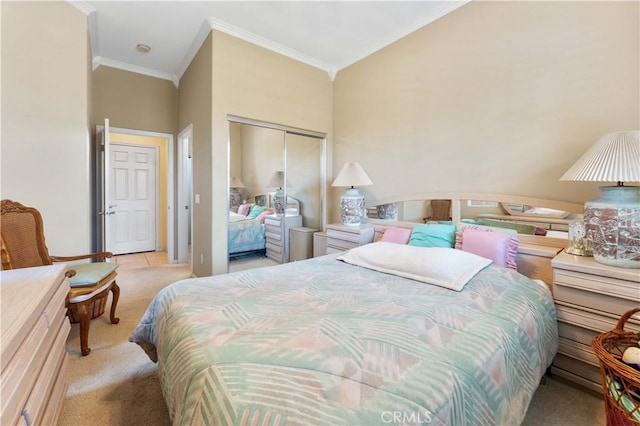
{"type": "Point", "coordinates": [324, 342]}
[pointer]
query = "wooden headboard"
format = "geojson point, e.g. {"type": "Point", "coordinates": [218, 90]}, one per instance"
{"type": "Point", "coordinates": [534, 251]}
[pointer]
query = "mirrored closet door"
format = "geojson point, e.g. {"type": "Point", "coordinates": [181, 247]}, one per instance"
{"type": "Point", "coordinates": [276, 189]}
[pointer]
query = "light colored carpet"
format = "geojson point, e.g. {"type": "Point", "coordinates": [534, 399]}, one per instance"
{"type": "Point", "coordinates": [117, 384]}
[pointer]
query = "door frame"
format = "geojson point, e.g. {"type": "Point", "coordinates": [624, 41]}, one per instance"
{"type": "Point", "coordinates": [170, 181]}
{"type": "Point", "coordinates": [185, 232]}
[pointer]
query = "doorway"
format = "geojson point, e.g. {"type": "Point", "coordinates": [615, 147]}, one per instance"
{"type": "Point", "coordinates": [162, 229]}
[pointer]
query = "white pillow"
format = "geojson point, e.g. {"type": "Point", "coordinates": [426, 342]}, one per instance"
{"type": "Point", "coordinates": [444, 267]}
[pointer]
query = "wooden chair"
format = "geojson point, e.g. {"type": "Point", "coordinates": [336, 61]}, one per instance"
{"type": "Point", "coordinates": [440, 210]}
{"type": "Point", "coordinates": [22, 244]}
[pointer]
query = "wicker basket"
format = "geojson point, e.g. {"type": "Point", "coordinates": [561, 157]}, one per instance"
{"type": "Point", "coordinates": [620, 382]}
{"type": "Point", "coordinates": [95, 310]}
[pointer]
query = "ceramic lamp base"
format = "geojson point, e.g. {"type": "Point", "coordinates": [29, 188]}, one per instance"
{"type": "Point", "coordinates": [352, 207]}
{"type": "Point", "coordinates": [235, 199]}
{"type": "Point", "coordinates": [613, 226]}
{"type": "Point", "coordinates": [278, 202]}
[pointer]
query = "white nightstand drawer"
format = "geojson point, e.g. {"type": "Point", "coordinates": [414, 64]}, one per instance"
{"type": "Point", "coordinates": [578, 351]}
{"type": "Point", "coordinates": [342, 235]}
{"type": "Point", "coordinates": [272, 221]}
{"type": "Point", "coordinates": [590, 319]}
{"type": "Point", "coordinates": [341, 244]}
{"type": "Point", "coordinates": [602, 302]}
{"type": "Point", "coordinates": [273, 235]}
{"type": "Point", "coordinates": [587, 371]}
{"type": "Point", "coordinates": [576, 333]}
{"type": "Point", "coordinates": [599, 284]}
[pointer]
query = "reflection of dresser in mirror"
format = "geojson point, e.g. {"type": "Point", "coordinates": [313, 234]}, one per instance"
{"type": "Point", "coordinates": [277, 235]}
{"type": "Point", "coordinates": [256, 151]}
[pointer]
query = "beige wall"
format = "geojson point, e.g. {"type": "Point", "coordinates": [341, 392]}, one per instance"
{"type": "Point", "coordinates": [134, 101]}
{"type": "Point", "coordinates": [495, 97]}
{"type": "Point", "coordinates": [250, 81]}
{"type": "Point", "coordinates": [194, 107]}
{"type": "Point", "coordinates": [45, 131]}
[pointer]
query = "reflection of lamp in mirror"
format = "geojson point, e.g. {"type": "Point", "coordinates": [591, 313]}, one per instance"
{"type": "Point", "coordinates": [277, 181]}
{"type": "Point", "coordinates": [612, 222]}
{"type": "Point", "coordinates": [352, 203]}
{"type": "Point", "coordinates": [235, 198]}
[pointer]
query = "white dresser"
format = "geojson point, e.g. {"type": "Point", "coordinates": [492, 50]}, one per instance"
{"type": "Point", "coordinates": [33, 337]}
{"type": "Point", "coordinates": [342, 237]}
{"type": "Point", "coordinates": [277, 235]}
{"type": "Point", "coordinates": [590, 298]}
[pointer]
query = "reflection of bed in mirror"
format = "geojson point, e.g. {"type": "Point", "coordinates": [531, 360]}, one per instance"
{"type": "Point", "coordinates": [541, 225]}
{"type": "Point", "coordinates": [246, 230]}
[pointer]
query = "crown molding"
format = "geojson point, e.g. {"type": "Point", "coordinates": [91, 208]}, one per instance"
{"type": "Point", "coordinates": [83, 7]}
{"type": "Point", "coordinates": [216, 24]}
{"type": "Point", "coordinates": [447, 7]}
{"type": "Point", "coordinates": [98, 61]}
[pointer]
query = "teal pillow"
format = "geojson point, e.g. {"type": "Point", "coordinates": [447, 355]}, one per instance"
{"type": "Point", "coordinates": [255, 211]}
{"type": "Point", "coordinates": [433, 235]}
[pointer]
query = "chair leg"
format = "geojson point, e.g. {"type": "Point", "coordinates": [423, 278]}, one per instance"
{"type": "Point", "coordinates": [115, 291]}
{"type": "Point", "coordinates": [84, 320]}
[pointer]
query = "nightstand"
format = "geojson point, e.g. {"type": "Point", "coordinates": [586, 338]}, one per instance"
{"type": "Point", "coordinates": [341, 237]}
{"type": "Point", "coordinates": [301, 243]}
{"type": "Point", "coordinates": [277, 235]}
{"type": "Point", "coordinates": [590, 298]}
{"type": "Point", "coordinates": [319, 244]}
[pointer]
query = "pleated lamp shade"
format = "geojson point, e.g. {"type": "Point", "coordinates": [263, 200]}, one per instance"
{"type": "Point", "coordinates": [612, 222]}
{"type": "Point", "coordinates": [614, 158]}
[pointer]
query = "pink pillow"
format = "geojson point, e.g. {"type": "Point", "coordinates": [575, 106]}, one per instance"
{"type": "Point", "coordinates": [497, 246]}
{"type": "Point", "coordinates": [264, 214]}
{"type": "Point", "coordinates": [243, 209]}
{"type": "Point", "coordinates": [396, 235]}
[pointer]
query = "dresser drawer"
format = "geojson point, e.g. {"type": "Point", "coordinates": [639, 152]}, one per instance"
{"type": "Point", "coordinates": [343, 235]}
{"type": "Point", "coordinates": [578, 351]}
{"type": "Point", "coordinates": [588, 319]}
{"type": "Point", "coordinates": [273, 236]}
{"type": "Point", "coordinates": [340, 245]}
{"type": "Point", "coordinates": [58, 393]}
{"type": "Point", "coordinates": [608, 286]}
{"type": "Point", "coordinates": [602, 302]}
{"type": "Point", "coordinates": [332, 250]}
{"type": "Point", "coordinates": [272, 222]}
{"type": "Point", "coordinates": [586, 371]}
{"type": "Point", "coordinates": [36, 405]}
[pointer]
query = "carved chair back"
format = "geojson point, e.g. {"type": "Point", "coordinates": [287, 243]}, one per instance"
{"type": "Point", "coordinates": [22, 236]}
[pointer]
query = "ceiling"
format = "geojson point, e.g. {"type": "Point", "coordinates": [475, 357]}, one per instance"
{"type": "Point", "coordinates": [329, 35]}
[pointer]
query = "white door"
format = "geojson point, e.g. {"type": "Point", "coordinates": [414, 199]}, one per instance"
{"type": "Point", "coordinates": [131, 218]}
{"type": "Point", "coordinates": [185, 178]}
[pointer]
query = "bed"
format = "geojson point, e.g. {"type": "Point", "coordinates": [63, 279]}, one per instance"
{"type": "Point", "coordinates": [246, 228]}
{"type": "Point", "coordinates": [330, 340]}
{"type": "Point", "coordinates": [245, 234]}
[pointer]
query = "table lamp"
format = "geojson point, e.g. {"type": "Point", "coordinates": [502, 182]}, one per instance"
{"type": "Point", "coordinates": [612, 222]}
{"type": "Point", "coordinates": [352, 202]}
{"type": "Point", "coordinates": [278, 181]}
{"type": "Point", "coordinates": [235, 197]}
